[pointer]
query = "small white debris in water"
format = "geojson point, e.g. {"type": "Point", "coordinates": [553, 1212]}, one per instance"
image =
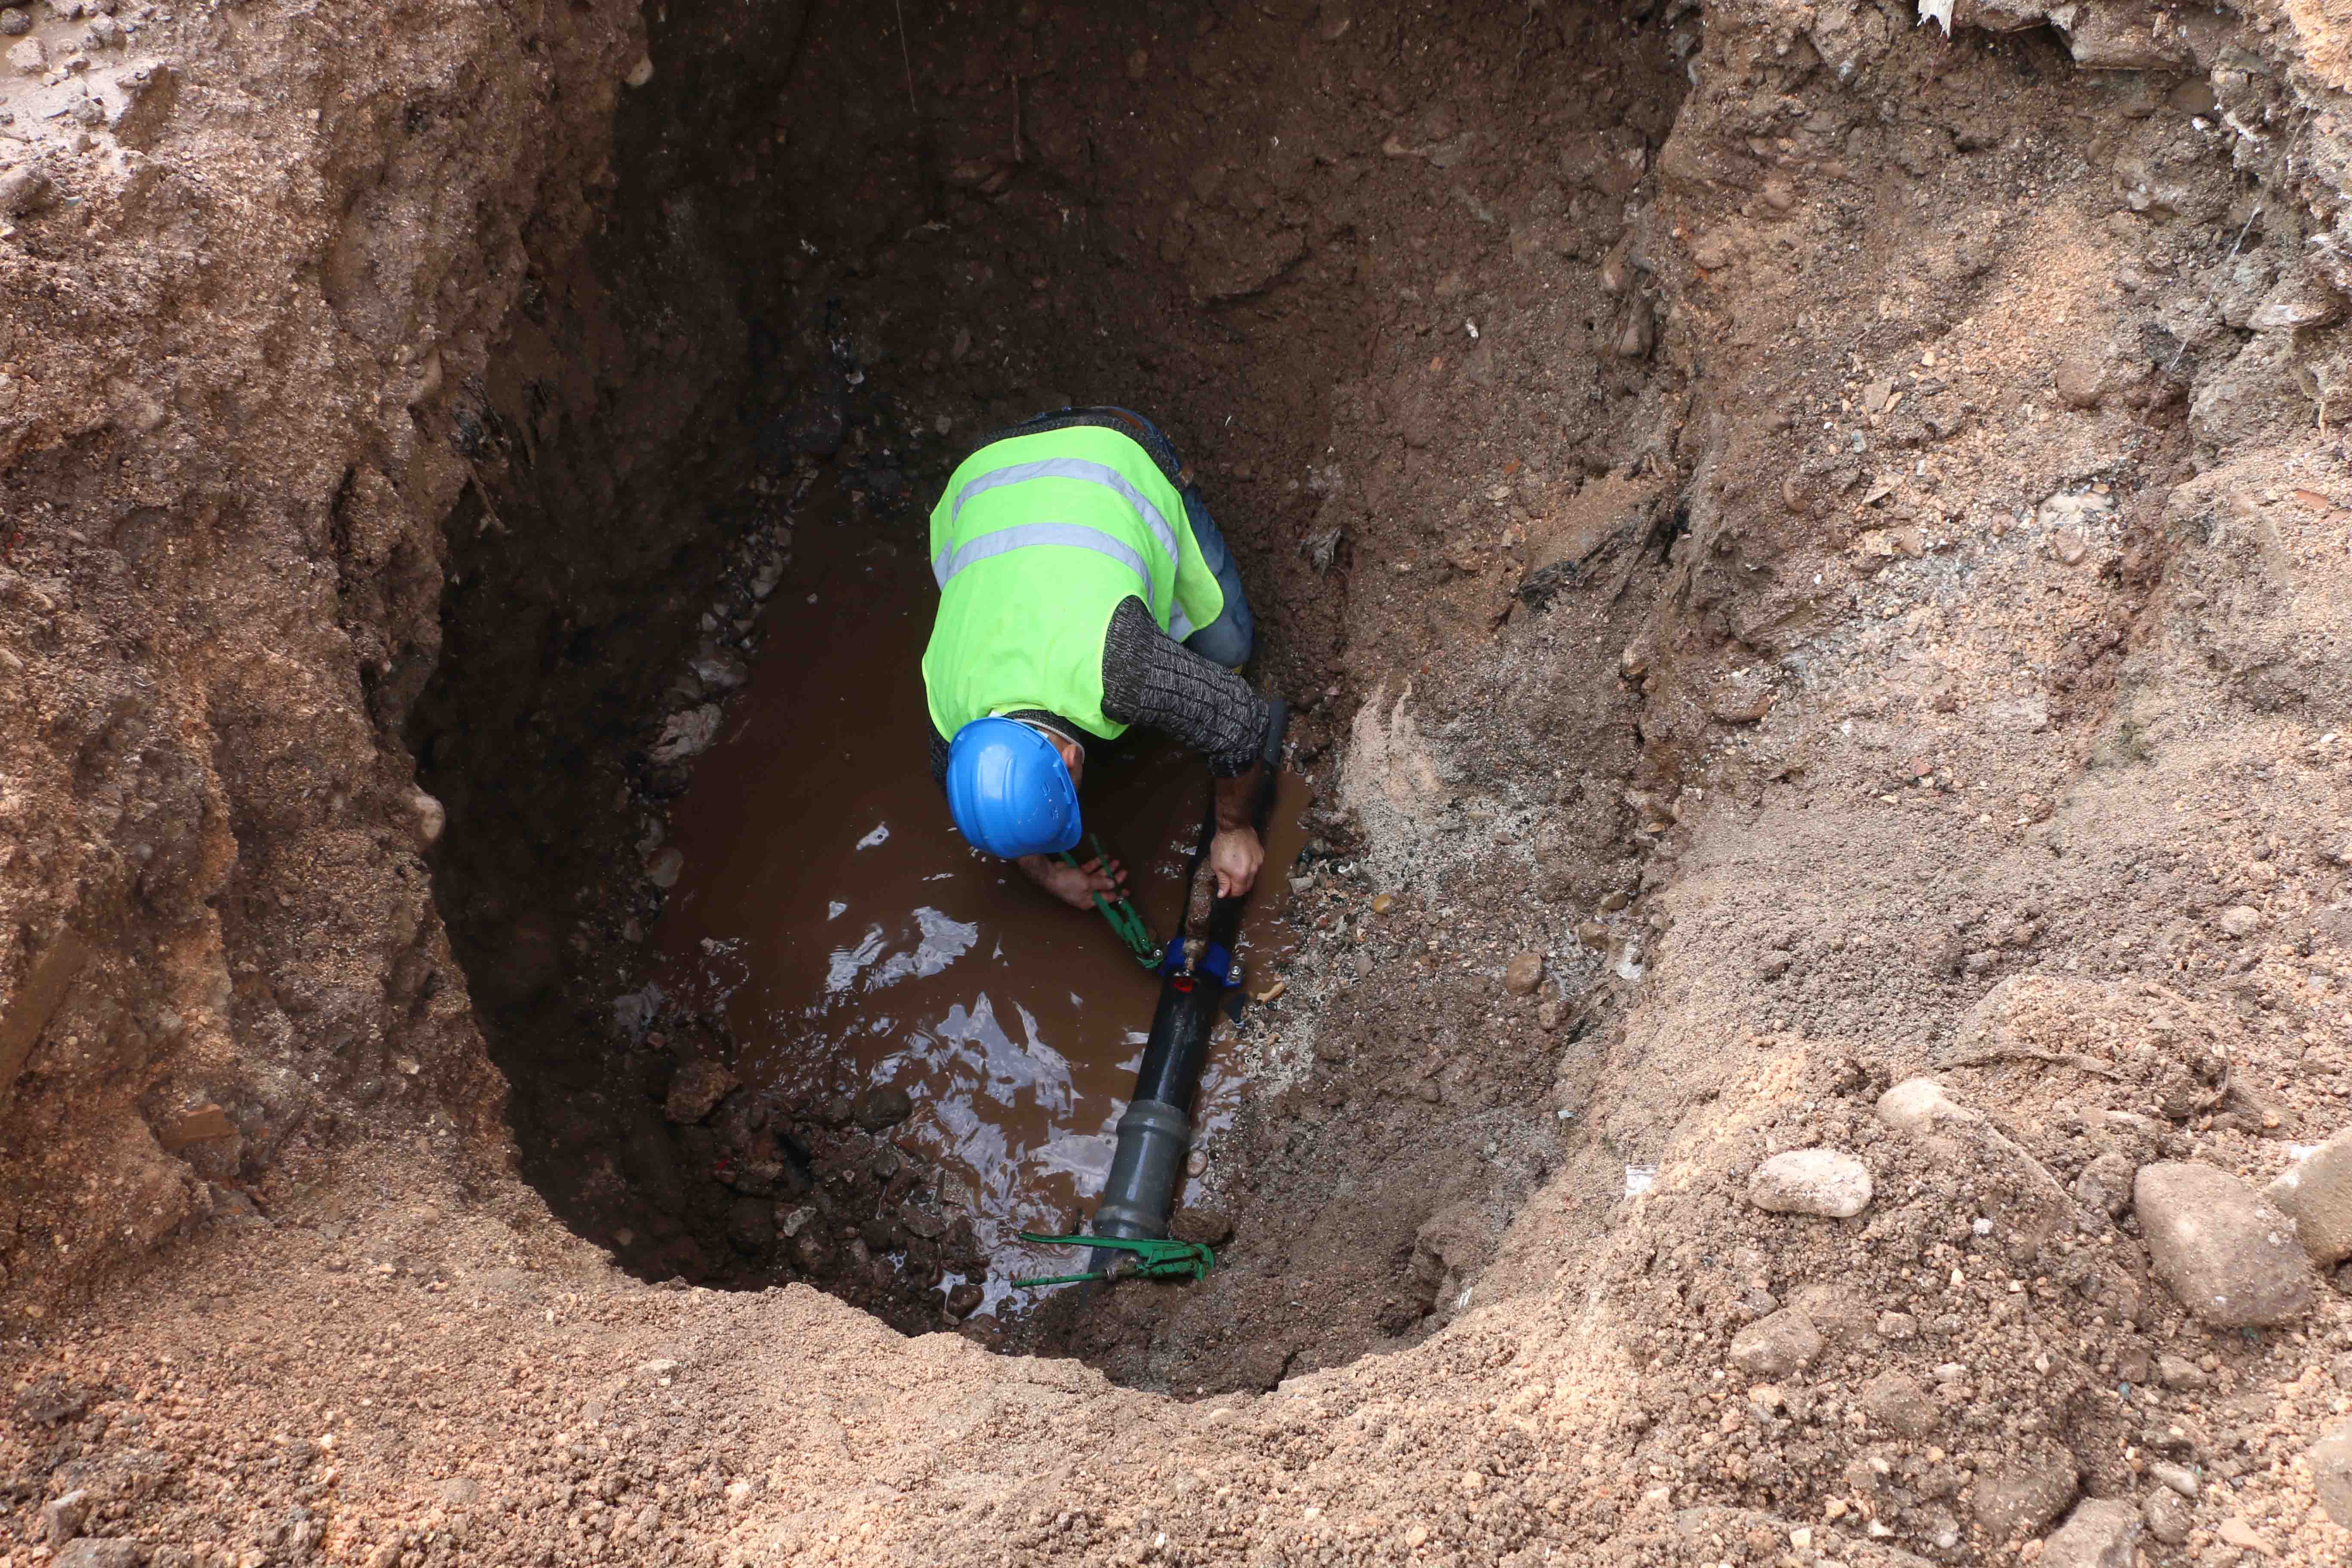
{"type": "Point", "coordinates": [835, 909]}
{"type": "Point", "coordinates": [1640, 1179]}
{"type": "Point", "coordinates": [881, 834]}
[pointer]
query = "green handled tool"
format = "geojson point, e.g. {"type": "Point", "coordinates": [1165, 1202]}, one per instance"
{"type": "Point", "coordinates": [1125, 922]}
{"type": "Point", "coordinates": [1154, 1259]}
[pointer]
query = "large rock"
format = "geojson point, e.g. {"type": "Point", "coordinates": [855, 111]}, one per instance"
{"type": "Point", "coordinates": [2099, 1533]}
{"type": "Point", "coordinates": [1900, 1403]}
{"type": "Point", "coordinates": [2315, 1193]}
{"type": "Point", "coordinates": [22, 189]}
{"type": "Point", "coordinates": [150, 94]}
{"type": "Point", "coordinates": [1918, 1105]}
{"type": "Point", "coordinates": [1524, 974]}
{"type": "Point", "coordinates": [1775, 1345]}
{"type": "Point", "coordinates": [2106, 1184]}
{"type": "Point", "coordinates": [688, 734]}
{"type": "Point", "coordinates": [696, 1090]}
{"type": "Point", "coordinates": [2229, 1257]}
{"type": "Point", "coordinates": [62, 1518]}
{"type": "Point", "coordinates": [2171, 1517]}
{"type": "Point", "coordinates": [102, 1552]}
{"type": "Point", "coordinates": [1826, 1181]}
{"type": "Point", "coordinates": [2025, 1492]}
{"type": "Point", "coordinates": [2330, 1459]}
{"type": "Point", "coordinates": [883, 1105]}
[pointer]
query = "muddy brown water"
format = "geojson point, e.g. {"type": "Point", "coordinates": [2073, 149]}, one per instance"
{"type": "Point", "coordinates": [849, 938]}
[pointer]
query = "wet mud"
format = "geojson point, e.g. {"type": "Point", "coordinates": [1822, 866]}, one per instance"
{"type": "Point", "coordinates": [830, 925]}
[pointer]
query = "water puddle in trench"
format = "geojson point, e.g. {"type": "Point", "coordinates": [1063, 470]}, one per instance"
{"type": "Point", "coordinates": [831, 915]}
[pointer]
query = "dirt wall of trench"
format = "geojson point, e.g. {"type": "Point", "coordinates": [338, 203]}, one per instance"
{"type": "Point", "coordinates": [239, 322]}
{"type": "Point", "coordinates": [1960, 569]}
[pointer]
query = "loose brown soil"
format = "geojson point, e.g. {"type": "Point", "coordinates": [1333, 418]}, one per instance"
{"type": "Point", "coordinates": [1830, 536]}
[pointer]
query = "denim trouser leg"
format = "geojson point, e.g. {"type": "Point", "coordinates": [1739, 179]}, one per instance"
{"type": "Point", "coordinates": [1232, 637]}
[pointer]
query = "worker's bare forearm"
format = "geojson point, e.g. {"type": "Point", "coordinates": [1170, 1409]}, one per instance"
{"type": "Point", "coordinates": [1039, 868]}
{"type": "Point", "coordinates": [1235, 796]}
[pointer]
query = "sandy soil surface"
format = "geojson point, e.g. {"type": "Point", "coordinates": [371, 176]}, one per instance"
{"type": "Point", "coordinates": [1824, 543]}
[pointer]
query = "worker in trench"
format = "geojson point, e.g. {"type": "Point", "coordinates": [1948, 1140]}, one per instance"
{"type": "Point", "coordinates": [1083, 589]}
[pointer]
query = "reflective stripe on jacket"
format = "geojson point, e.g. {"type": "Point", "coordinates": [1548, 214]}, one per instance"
{"type": "Point", "coordinates": [1034, 543]}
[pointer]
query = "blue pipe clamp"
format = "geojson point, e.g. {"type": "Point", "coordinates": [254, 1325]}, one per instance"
{"type": "Point", "coordinates": [1216, 962]}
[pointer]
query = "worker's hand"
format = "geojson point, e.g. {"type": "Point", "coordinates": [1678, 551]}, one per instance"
{"type": "Point", "coordinates": [1078, 885]}
{"type": "Point", "coordinates": [1235, 855]}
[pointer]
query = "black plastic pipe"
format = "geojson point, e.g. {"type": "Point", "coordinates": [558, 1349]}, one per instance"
{"type": "Point", "coordinates": [1155, 1133]}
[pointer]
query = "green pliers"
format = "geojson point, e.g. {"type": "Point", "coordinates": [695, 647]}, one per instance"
{"type": "Point", "coordinates": [1154, 1259]}
{"type": "Point", "coordinates": [1125, 922]}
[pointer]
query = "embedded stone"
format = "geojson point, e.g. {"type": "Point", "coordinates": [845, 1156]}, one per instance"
{"type": "Point", "coordinates": [2099, 1533]}
{"type": "Point", "coordinates": [1523, 973]}
{"type": "Point", "coordinates": [2168, 1515]}
{"type": "Point", "coordinates": [696, 1090]}
{"type": "Point", "coordinates": [2228, 1257]}
{"type": "Point", "coordinates": [1916, 1104]}
{"type": "Point", "coordinates": [1775, 1344]}
{"type": "Point", "coordinates": [2315, 1193]}
{"type": "Point", "coordinates": [883, 1105]}
{"type": "Point", "coordinates": [2025, 1492]}
{"type": "Point", "coordinates": [2106, 1184]}
{"type": "Point", "coordinates": [2330, 1459]}
{"type": "Point", "coordinates": [102, 1552]}
{"type": "Point", "coordinates": [431, 816]}
{"type": "Point", "coordinates": [1900, 1403]}
{"type": "Point", "coordinates": [1829, 1182]}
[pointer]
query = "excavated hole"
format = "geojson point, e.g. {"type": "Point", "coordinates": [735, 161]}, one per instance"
{"type": "Point", "coordinates": [806, 303]}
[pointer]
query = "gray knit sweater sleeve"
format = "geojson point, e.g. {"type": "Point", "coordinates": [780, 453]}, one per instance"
{"type": "Point", "coordinates": [1150, 678]}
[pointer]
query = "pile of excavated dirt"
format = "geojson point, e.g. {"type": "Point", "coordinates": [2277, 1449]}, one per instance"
{"type": "Point", "coordinates": [1812, 556]}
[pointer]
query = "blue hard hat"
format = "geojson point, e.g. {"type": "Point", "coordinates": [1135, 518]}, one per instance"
{"type": "Point", "coordinates": [1009, 790]}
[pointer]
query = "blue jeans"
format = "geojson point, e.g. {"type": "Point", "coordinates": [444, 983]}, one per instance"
{"type": "Point", "coordinates": [1232, 637]}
